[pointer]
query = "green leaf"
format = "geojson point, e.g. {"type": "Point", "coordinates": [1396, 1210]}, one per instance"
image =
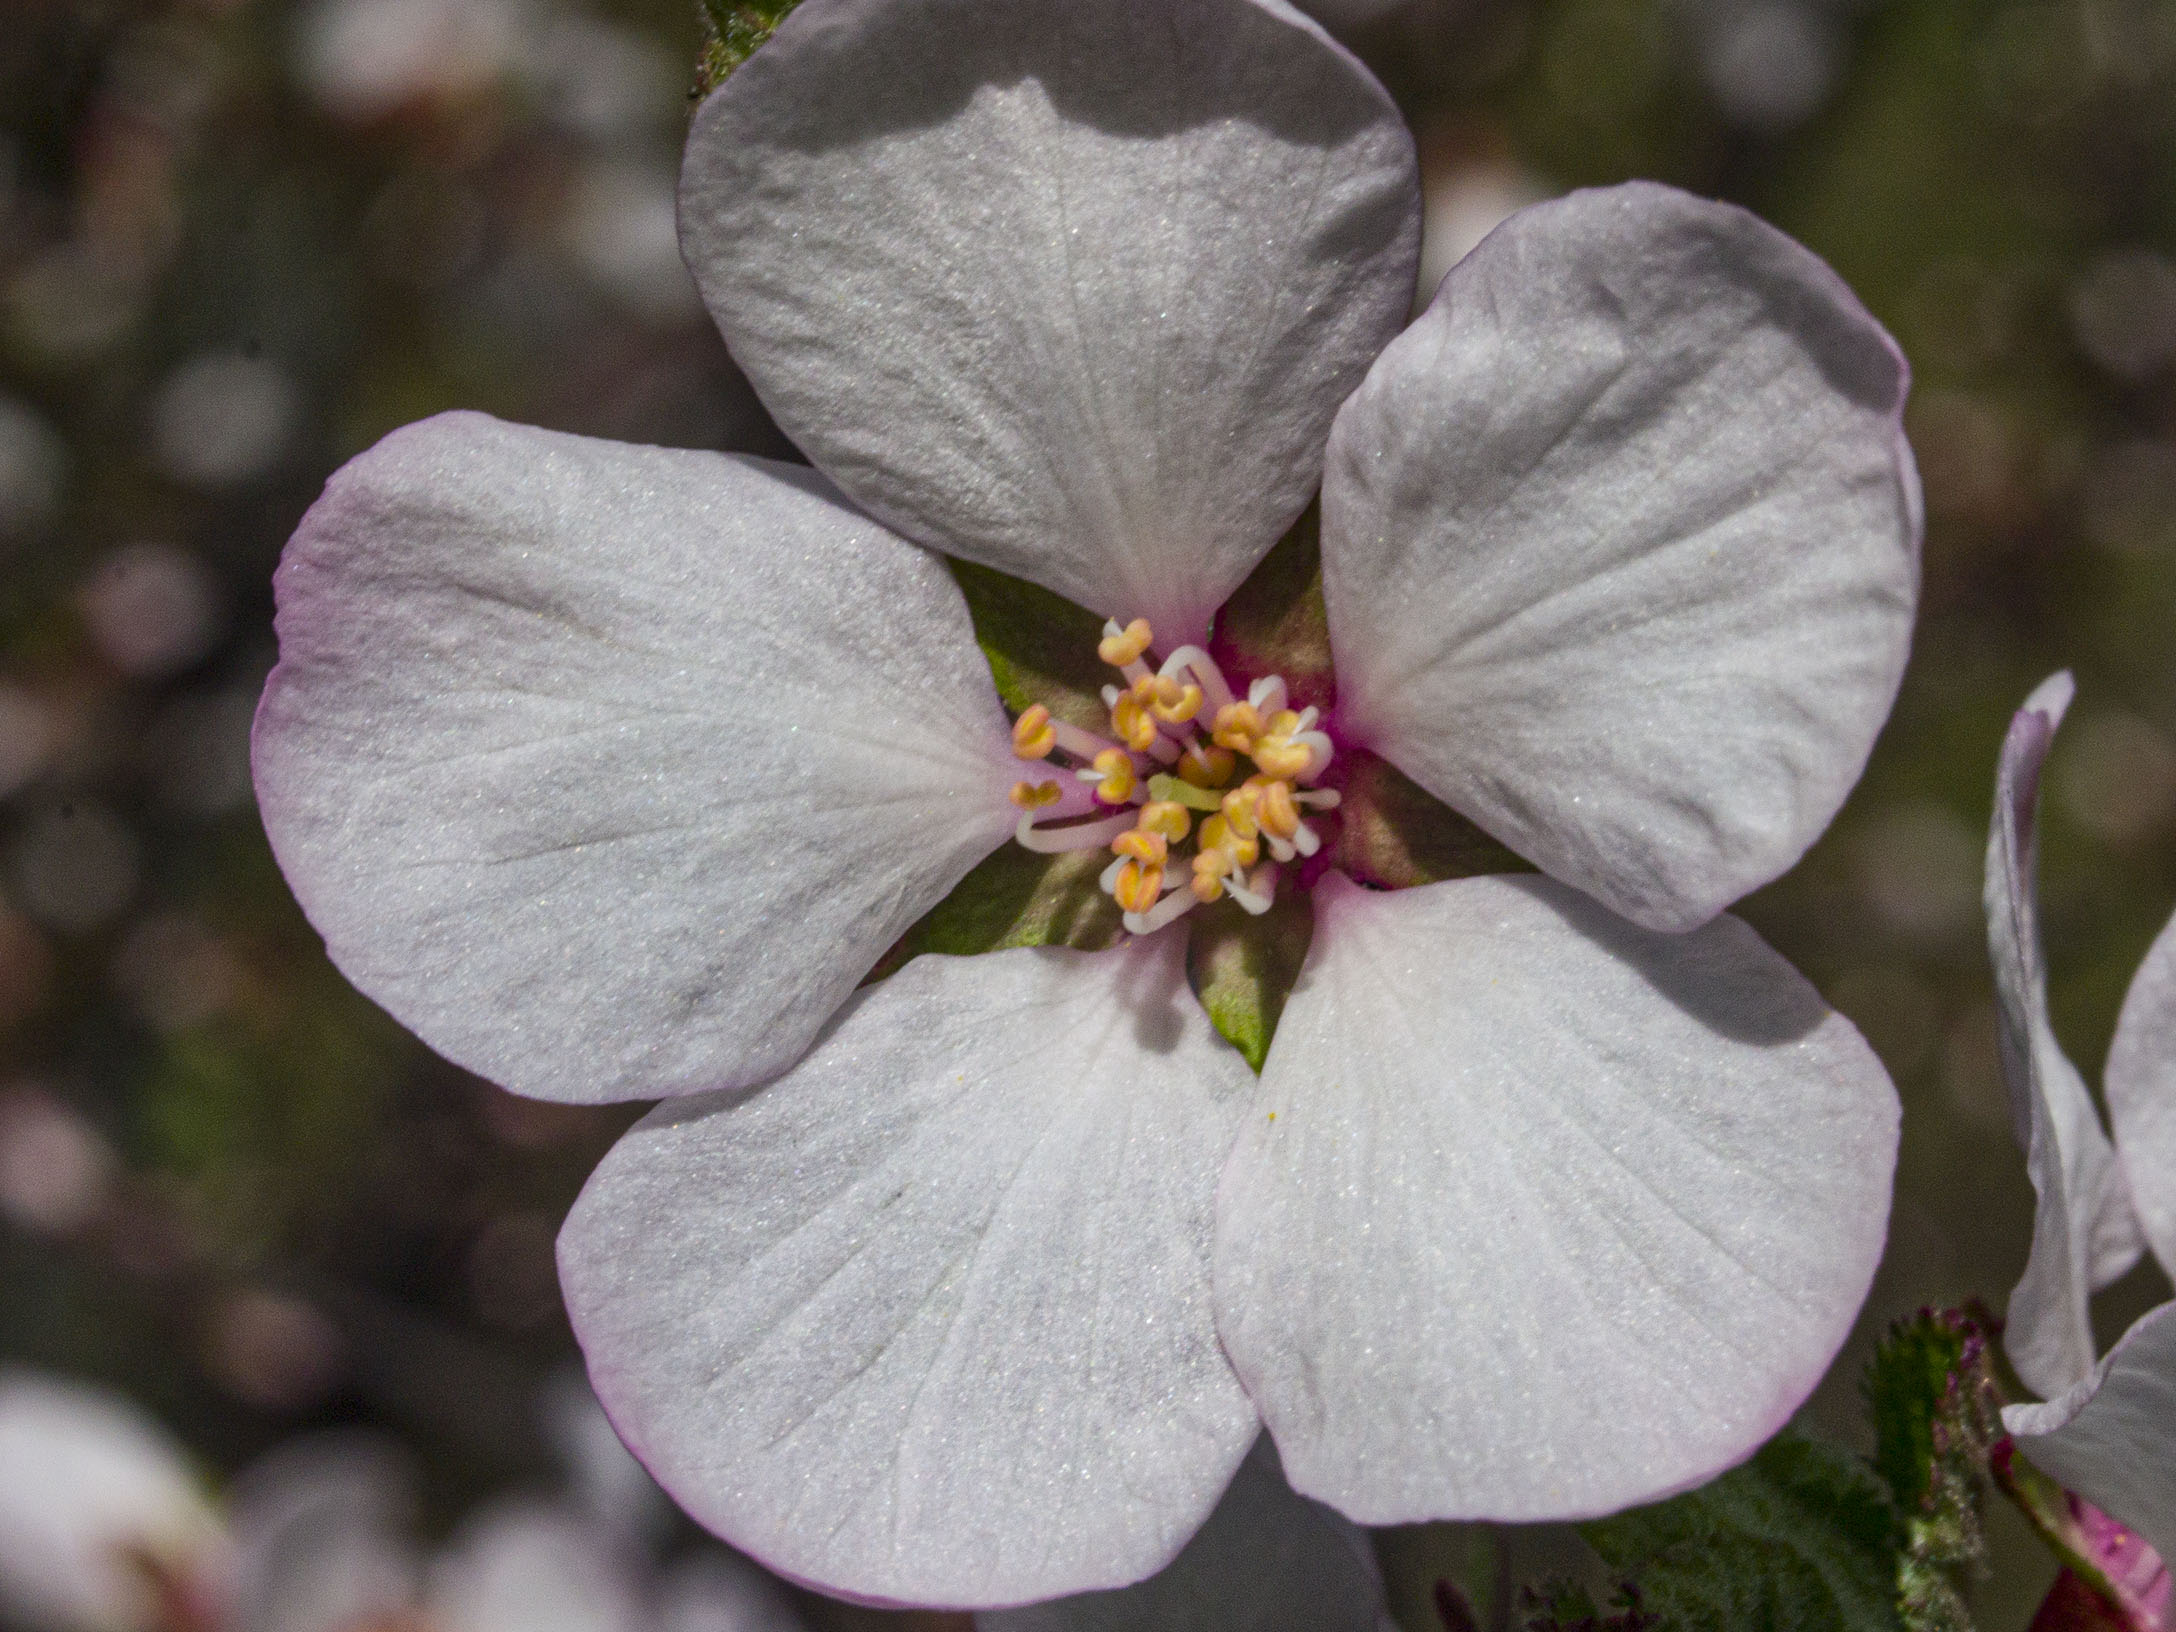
{"type": "Point", "coordinates": [1936, 1411]}
{"type": "Point", "coordinates": [734, 29]}
{"type": "Point", "coordinates": [1802, 1538]}
{"type": "Point", "coordinates": [1243, 967]}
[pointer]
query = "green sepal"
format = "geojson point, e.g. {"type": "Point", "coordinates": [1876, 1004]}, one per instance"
{"type": "Point", "coordinates": [1278, 622]}
{"type": "Point", "coordinates": [1243, 968]}
{"type": "Point", "coordinates": [1015, 897]}
{"type": "Point", "coordinates": [1393, 833]}
{"type": "Point", "coordinates": [1390, 832]}
{"type": "Point", "coordinates": [1906, 1384]}
{"type": "Point", "coordinates": [734, 28]}
{"type": "Point", "coordinates": [1937, 1413]}
{"type": "Point", "coordinates": [1041, 647]}
{"type": "Point", "coordinates": [1803, 1538]}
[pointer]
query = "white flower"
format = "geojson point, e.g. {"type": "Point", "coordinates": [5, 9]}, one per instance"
{"type": "Point", "coordinates": [103, 1527]}
{"type": "Point", "coordinates": [2108, 1428]}
{"type": "Point", "coordinates": [612, 770]}
{"type": "Point", "coordinates": [324, 1527]}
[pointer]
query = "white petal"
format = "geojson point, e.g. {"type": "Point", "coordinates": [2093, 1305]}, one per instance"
{"type": "Point", "coordinates": [1621, 540]}
{"type": "Point", "coordinates": [1267, 1561]}
{"type": "Point", "coordinates": [529, 1567]}
{"type": "Point", "coordinates": [1540, 1214]}
{"type": "Point", "coordinates": [1069, 287]}
{"type": "Point", "coordinates": [2112, 1438]}
{"type": "Point", "coordinates": [2084, 1234]}
{"type": "Point", "coordinates": [87, 1480]}
{"type": "Point", "coordinates": [927, 1319]}
{"type": "Point", "coordinates": [2141, 1084]}
{"type": "Point", "coordinates": [609, 770]}
{"type": "Point", "coordinates": [321, 1536]}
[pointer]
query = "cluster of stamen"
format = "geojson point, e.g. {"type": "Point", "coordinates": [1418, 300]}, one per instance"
{"type": "Point", "coordinates": [1187, 762]}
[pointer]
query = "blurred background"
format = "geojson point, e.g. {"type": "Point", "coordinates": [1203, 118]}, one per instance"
{"type": "Point", "coordinates": [242, 239]}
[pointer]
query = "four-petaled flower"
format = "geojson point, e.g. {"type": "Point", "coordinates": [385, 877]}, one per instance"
{"type": "Point", "coordinates": [2107, 1429]}
{"type": "Point", "coordinates": [612, 770]}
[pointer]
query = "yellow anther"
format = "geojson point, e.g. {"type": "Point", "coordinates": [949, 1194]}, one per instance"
{"type": "Point", "coordinates": [1033, 736]}
{"type": "Point", "coordinates": [1237, 725]}
{"type": "Point", "coordinates": [1217, 838]}
{"type": "Point", "coordinates": [1034, 795]}
{"type": "Point", "coordinates": [1138, 887]}
{"type": "Point", "coordinates": [1167, 817]}
{"type": "Point", "coordinates": [1281, 757]}
{"type": "Point", "coordinates": [1118, 776]}
{"type": "Point", "coordinates": [1277, 813]}
{"type": "Point", "coordinates": [1132, 723]}
{"type": "Point", "coordinates": [1173, 703]}
{"type": "Point", "coordinates": [1241, 806]}
{"type": "Point", "coordinates": [1207, 767]}
{"type": "Point", "coordinates": [1283, 723]}
{"type": "Point", "coordinates": [1208, 880]}
{"type": "Point", "coordinates": [1142, 845]}
{"type": "Point", "coordinates": [1127, 645]}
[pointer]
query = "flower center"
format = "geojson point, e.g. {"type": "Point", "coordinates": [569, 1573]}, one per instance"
{"type": "Point", "coordinates": [1197, 781]}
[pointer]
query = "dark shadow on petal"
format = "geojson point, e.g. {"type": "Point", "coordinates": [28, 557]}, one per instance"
{"type": "Point", "coordinates": [1722, 974]}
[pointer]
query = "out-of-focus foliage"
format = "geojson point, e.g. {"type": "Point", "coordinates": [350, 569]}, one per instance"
{"type": "Point", "coordinates": [240, 239]}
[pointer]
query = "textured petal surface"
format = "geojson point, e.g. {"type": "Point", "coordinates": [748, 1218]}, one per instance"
{"type": "Point", "coordinates": [1068, 287]}
{"type": "Point", "coordinates": [2084, 1233]}
{"type": "Point", "coordinates": [1621, 547]}
{"type": "Point", "coordinates": [927, 1320]}
{"type": "Point", "coordinates": [2112, 1438]}
{"type": "Point", "coordinates": [1267, 1561]}
{"type": "Point", "coordinates": [85, 1480]}
{"type": "Point", "coordinates": [1540, 1214]}
{"type": "Point", "coordinates": [2141, 1085]}
{"type": "Point", "coordinates": [609, 770]}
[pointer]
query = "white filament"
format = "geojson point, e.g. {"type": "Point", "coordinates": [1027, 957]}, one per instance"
{"type": "Point", "coordinates": [1177, 903]}
{"type": "Point", "coordinates": [1054, 841]}
{"type": "Point", "coordinates": [1216, 691]}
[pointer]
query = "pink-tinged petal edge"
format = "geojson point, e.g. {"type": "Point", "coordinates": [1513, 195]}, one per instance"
{"type": "Point", "coordinates": [609, 770]}
{"type": "Point", "coordinates": [927, 1320]}
{"type": "Point", "coordinates": [1541, 1214]}
{"type": "Point", "coordinates": [2084, 1232]}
